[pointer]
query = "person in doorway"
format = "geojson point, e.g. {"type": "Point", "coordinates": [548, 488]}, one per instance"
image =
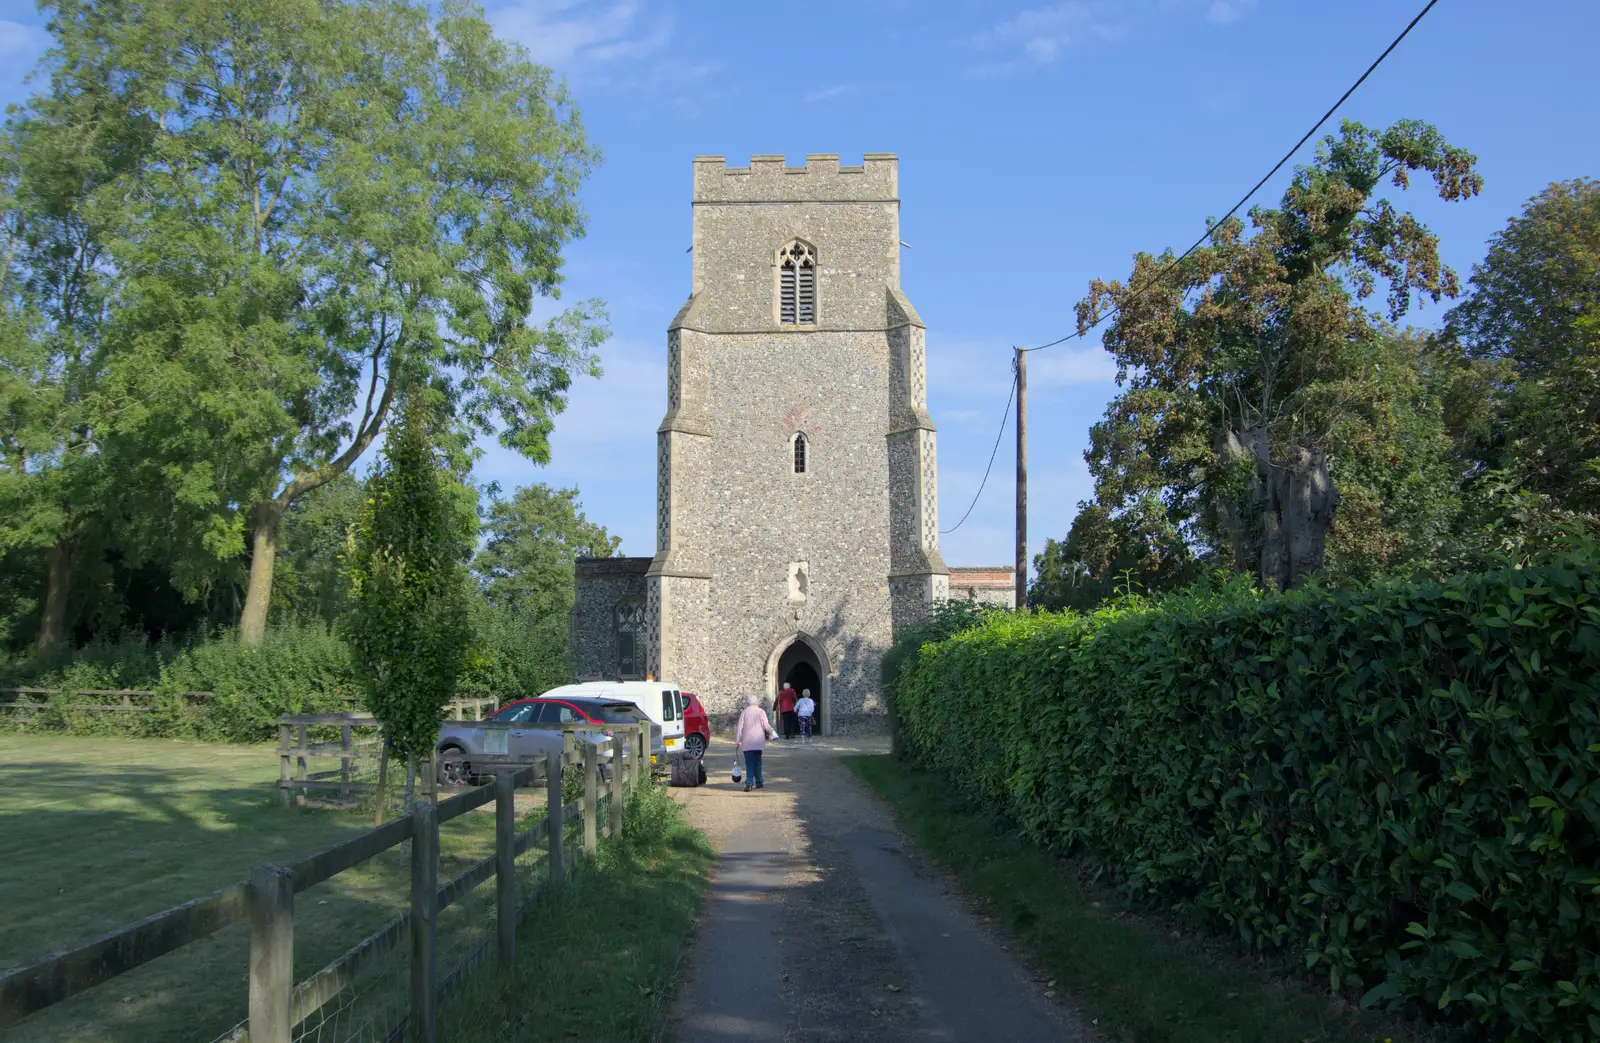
{"type": "Point", "coordinates": [786, 700]}
{"type": "Point", "coordinates": [750, 735]}
{"type": "Point", "coordinates": [805, 710]}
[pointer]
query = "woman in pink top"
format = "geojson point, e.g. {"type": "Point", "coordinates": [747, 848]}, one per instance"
{"type": "Point", "coordinates": [750, 737]}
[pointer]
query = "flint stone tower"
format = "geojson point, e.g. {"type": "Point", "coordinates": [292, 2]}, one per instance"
{"type": "Point", "coordinates": [797, 499]}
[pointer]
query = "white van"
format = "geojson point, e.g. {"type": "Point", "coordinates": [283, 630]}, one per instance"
{"type": "Point", "coordinates": [661, 701]}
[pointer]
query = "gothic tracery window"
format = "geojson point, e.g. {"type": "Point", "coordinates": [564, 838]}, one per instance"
{"type": "Point", "coordinates": [799, 454]}
{"type": "Point", "coordinates": [630, 643]}
{"type": "Point", "coordinates": [797, 284]}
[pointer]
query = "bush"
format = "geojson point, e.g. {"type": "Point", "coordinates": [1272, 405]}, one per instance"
{"type": "Point", "coordinates": [299, 669]}
{"type": "Point", "coordinates": [1395, 787]}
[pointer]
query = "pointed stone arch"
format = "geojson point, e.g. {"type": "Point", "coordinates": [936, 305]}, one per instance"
{"type": "Point", "coordinates": [826, 667]}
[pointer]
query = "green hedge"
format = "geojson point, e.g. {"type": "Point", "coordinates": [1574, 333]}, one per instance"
{"type": "Point", "coordinates": [298, 669]}
{"type": "Point", "coordinates": [1396, 788]}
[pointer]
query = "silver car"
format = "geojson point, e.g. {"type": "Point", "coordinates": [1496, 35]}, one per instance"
{"type": "Point", "coordinates": [528, 730]}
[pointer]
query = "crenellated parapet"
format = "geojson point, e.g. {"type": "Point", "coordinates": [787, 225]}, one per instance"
{"type": "Point", "coordinates": [770, 179]}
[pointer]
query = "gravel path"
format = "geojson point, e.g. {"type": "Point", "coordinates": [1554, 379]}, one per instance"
{"type": "Point", "coordinates": [825, 925]}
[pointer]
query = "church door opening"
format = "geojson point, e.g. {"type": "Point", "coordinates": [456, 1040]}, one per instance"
{"type": "Point", "coordinates": [798, 667]}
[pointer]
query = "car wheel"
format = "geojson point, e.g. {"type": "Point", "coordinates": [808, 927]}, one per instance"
{"type": "Point", "coordinates": [453, 772]}
{"type": "Point", "coordinates": [694, 746]}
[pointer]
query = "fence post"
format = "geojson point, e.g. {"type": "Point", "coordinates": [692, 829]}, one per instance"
{"type": "Point", "coordinates": [344, 757]}
{"type": "Point", "coordinates": [381, 799]}
{"type": "Point", "coordinates": [555, 819]}
{"type": "Point", "coordinates": [300, 770]}
{"type": "Point", "coordinates": [617, 794]}
{"type": "Point", "coordinates": [591, 799]}
{"type": "Point", "coordinates": [645, 767]}
{"type": "Point", "coordinates": [505, 863]}
{"type": "Point", "coordinates": [284, 739]}
{"type": "Point", "coordinates": [271, 953]}
{"type": "Point", "coordinates": [424, 931]}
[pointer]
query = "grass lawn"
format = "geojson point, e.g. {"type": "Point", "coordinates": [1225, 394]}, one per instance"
{"type": "Point", "coordinates": [600, 964]}
{"type": "Point", "coordinates": [96, 833]}
{"type": "Point", "coordinates": [1141, 980]}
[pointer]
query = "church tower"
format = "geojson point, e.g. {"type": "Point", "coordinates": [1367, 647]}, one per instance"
{"type": "Point", "coordinates": [797, 498]}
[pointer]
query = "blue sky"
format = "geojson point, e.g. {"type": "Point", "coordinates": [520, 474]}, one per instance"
{"type": "Point", "coordinates": [1040, 145]}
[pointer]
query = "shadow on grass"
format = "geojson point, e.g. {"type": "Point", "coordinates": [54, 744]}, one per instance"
{"type": "Point", "coordinates": [1138, 976]}
{"type": "Point", "coordinates": [89, 846]}
{"type": "Point", "coordinates": [599, 961]}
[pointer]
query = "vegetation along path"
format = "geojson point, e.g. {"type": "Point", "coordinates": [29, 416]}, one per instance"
{"type": "Point", "coordinates": [825, 925]}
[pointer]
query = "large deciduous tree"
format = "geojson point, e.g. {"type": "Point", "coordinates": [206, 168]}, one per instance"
{"type": "Point", "coordinates": [1252, 364]}
{"type": "Point", "coordinates": [1529, 331]}
{"type": "Point", "coordinates": [340, 197]}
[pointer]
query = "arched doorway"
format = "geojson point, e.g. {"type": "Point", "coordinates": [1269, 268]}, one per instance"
{"type": "Point", "coordinates": [803, 665]}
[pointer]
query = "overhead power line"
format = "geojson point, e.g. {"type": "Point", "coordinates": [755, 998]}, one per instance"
{"type": "Point", "coordinates": [1195, 246]}
{"type": "Point", "coordinates": [997, 436]}
{"type": "Point", "coordinates": [1209, 232]}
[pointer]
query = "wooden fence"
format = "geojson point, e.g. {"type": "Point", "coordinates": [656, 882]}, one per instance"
{"type": "Point", "coordinates": [359, 740]}
{"type": "Point", "coordinates": [14, 700]}
{"type": "Point", "coordinates": [266, 900]}
{"type": "Point", "coordinates": [136, 700]}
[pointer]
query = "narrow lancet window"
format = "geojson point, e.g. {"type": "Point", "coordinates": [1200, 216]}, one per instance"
{"type": "Point", "coordinates": [799, 454]}
{"type": "Point", "coordinates": [797, 285]}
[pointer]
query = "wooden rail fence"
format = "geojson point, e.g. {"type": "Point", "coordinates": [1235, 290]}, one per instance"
{"type": "Point", "coordinates": [276, 1004]}
{"type": "Point", "coordinates": [359, 739]}
{"type": "Point", "coordinates": [12, 700]}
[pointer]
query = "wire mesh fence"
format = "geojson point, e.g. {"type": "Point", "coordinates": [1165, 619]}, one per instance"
{"type": "Point", "coordinates": [350, 978]}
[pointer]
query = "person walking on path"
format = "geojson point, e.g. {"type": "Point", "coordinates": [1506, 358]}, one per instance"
{"type": "Point", "coordinates": [750, 737]}
{"type": "Point", "coordinates": [786, 700]}
{"type": "Point", "coordinates": [803, 711]}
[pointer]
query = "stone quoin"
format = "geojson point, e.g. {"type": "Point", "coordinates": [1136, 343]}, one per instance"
{"type": "Point", "coordinates": [797, 520]}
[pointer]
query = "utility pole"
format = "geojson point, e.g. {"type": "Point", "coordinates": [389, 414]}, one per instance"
{"type": "Point", "coordinates": [1022, 477]}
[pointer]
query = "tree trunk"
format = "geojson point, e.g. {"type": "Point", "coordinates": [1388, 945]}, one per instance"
{"type": "Point", "coordinates": [258, 595]}
{"type": "Point", "coordinates": [58, 587]}
{"type": "Point", "coordinates": [1278, 522]}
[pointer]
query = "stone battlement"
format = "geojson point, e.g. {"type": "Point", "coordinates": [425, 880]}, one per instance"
{"type": "Point", "coordinates": [768, 179]}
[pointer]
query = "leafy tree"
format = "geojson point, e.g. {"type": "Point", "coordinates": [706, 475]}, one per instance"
{"type": "Point", "coordinates": [56, 156]}
{"type": "Point", "coordinates": [1529, 332]}
{"type": "Point", "coordinates": [340, 198]}
{"type": "Point", "coordinates": [408, 623]}
{"type": "Point", "coordinates": [532, 542]}
{"type": "Point", "coordinates": [1137, 548]}
{"type": "Point", "coordinates": [311, 582]}
{"type": "Point", "coordinates": [525, 571]}
{"type": "Point", "coordinates": [1250, 365]}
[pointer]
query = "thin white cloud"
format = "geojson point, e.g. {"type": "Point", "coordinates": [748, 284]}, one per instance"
{"type": "Point", "coordinates": [618, 45]}
{"type": "Point", "coordinates": [1039, 36]}
{"type": "Point", "coordinates": [568, 34]}
{"type": "Point", "coordinates": [826, 93]}
{"type": "Point", "coordinates": [1223, 12]}
{"type": "Point", "coordinates": [17, 39]}
{"type": "Point", "coordinates": [1057, 367]}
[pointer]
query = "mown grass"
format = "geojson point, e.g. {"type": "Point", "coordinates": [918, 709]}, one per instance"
{"type": "Point", "coordinates": [601, 963]}
{"type": "Point", "coordinates": [1137, 977]}
{"type": "Point", "coordinates": [96, 833]}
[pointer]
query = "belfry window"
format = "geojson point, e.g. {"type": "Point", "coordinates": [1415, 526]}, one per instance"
{"type": "Point", "coordinates": [799, 454]}
{"type": "Point", "coordinates": [797, 285]}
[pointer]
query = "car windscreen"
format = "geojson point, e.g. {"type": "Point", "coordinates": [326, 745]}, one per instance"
{"type": "Point", "coordinates": [609, 713]}
{"type": "Point", "coordinates": [516, 713]}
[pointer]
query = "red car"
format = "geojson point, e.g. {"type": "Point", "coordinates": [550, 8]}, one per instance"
{"type": "Point", "coordinates": [696, 727]}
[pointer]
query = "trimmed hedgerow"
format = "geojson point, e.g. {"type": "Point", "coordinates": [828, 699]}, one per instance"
{"type": "Point", "coordinates": [1396, 788]}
